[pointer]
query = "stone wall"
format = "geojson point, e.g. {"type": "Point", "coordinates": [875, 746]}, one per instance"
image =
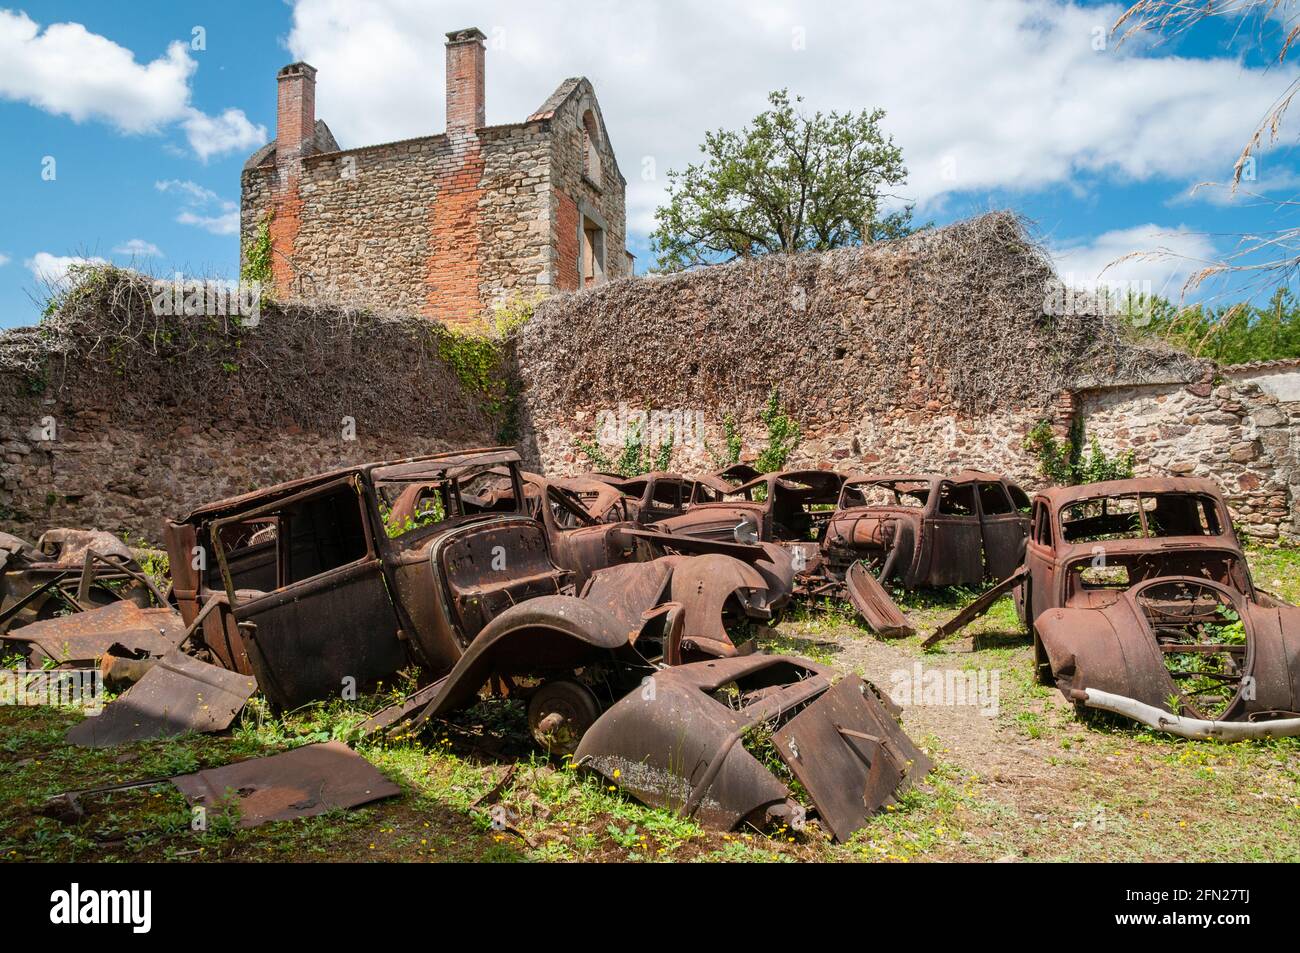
{"type": "Point", "coordinates": [1233, 432]}
{"type": "Point", "coordinates": [596, 196]}
{"type": "Point", "coordinates": [145, 427]}
{"type": "Point", "coordinates": [931, 354]}
{"type": "Point", "coordinates": [926, 354]}
{"type": "Point", "coordinates": [446, 226]}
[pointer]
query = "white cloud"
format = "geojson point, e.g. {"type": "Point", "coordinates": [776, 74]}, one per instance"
{"type": "Point", "coordinates": [226, 223]}
{"type": "Point", "coordinates": [1165, 257]}
{"type": "Point", "coordinates": [66, 70]}
{"type": "Point", "coordinates": [52, 270]}
{"type": "Point", "coordinates": [4, 260]}
{"type": "Point", "coordinates": [1002, 93]}
{"type": "Point", "coordinates": [69, 71]}
{"type": "Point", "coordinates": [138, 248]}
{"type": "Point", "coordinates": [202, 207]}
{"type": "Point", "coordinates": [216, 135]}
{"type": "Point", "coordinates": [192, 191]}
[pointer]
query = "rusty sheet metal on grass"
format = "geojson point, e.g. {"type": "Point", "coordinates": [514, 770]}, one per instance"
{"type": "Point", "coordinates": [299, 783]}
{"type": "Point", "coordinates": [178, 694]}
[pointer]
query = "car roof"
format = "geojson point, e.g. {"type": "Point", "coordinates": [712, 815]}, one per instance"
{"type": "Point", "coordinates": [1058, 496]}
{"type": "Point", "coordinates": [386, 469]}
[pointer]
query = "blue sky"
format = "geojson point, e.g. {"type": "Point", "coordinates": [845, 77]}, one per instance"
{"type": "Point", "coordinates": [996, 104]}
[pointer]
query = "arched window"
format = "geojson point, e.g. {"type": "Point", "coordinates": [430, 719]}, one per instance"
{"type": "Point", "coordinates": [591, 147]}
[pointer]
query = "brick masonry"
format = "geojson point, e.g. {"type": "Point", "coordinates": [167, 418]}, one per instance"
{"type": "Point", "coordinates": [447, 226]}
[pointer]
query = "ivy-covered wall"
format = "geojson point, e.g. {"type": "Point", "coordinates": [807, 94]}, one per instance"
{"type": "Point", "coordinates": [116, 418]}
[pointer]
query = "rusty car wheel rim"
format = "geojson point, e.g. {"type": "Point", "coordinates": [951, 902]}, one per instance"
{"type": "Point", "coordinates": [559, 714]}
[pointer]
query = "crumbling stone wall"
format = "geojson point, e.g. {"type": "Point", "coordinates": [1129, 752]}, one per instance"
{"type": "Point", "coordinates": [446, 226]}
{"type": "Point", "coordinates": [926, 354]}
{"type": "Point", "coordinates": [148, 425]}
{"type": "Point", "coordinates": [1233, 432]}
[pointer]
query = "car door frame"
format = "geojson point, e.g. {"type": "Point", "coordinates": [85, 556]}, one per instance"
{"type": "Point", "coordinates": [1003, 534]}
{"type": "Point", "coordinates": [273, 623]}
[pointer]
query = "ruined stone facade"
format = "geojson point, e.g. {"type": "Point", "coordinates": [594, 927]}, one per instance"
{"type": "Point", "coordinates": [870, 348]}
{"type": "Point", "coordinates": [905, 357]}
{"type": "Point", "coordinates": [1241, 432]}
{"type": "Point", "coordinates": [447, 225]}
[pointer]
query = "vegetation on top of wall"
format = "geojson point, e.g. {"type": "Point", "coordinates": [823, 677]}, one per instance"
{"type": "Point", "coordinates": [112, 335]}
{"type": "Point", "coordinates": [1228, 334]}
{"type": "Point", "coordinates": [1065, 462]}
{"type": "Point", "coordinates": [845, 332]}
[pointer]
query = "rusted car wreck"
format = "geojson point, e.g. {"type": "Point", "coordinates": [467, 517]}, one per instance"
{"type": "Point", "coordinates": [478, 574]}
{"type": "Point", "coordinates": [76, 595]}
{"type": "Point", "coordinates": [847, 535]}
{"type": "Point", "coordinates": [1140, 602]}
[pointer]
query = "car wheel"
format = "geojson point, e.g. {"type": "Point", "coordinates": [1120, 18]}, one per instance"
{"type": "Point", "coordinates": [559, 714]}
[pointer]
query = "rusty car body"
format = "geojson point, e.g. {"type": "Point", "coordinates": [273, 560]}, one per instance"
{"type": "Point", "coordinates": [791, 507]}
{"type": "Point", "coordinates": [483, 576]}
{"type": "Point", "coordinates": [1140, 601]}
{"type": "Point", "coordinates": [358, 573]}
{"type": "Point", "coordinates": [928, 529]}
{"type": "Point", "coordinates": [650, 497]}
{"type": "Point", "coordinates": [68, 570]}
{"type": "Point", "coordinates": [68, 599]}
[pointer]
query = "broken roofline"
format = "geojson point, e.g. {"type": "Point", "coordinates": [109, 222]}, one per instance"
{"type": "Point", "coordinates": [539, 120]}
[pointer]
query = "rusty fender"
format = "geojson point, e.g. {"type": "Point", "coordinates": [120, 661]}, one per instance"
{"type": "Point", "coordinates": [543, 636]}
{"type": "Point", "coordinates": [678, 741]}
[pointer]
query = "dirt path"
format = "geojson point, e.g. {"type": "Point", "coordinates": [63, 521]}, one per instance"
{"type": "Point", "coordinates": [1026, 779]}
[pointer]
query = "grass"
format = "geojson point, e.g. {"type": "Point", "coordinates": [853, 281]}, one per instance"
{"type": "Point", "coordinates": [1032, 782]}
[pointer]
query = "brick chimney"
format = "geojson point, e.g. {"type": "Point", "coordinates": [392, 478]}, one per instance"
{"type": "Point", "coordinates": [465, 53]}
{"type": "Point", "coordinates": [295, 114]}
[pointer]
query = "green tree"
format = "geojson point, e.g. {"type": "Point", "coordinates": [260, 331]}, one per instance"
{"type": "Point", "coordinates": [1229, 334]}
{"type": "Point", "coordinates": [788, 182]}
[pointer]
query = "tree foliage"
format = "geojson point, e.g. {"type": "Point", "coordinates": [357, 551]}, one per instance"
{"type": "Point", "coordinates": [787, 182]}
{"type": "Point", "coordinates": [1228, 334]}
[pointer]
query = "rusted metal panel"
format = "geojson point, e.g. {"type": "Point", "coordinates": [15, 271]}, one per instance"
{"type": "Point", "coordinates": [673, 743]}
{"type": "Point", "coordinates": [681, 741]}
{"type": "Point", "coordinates": [78, 640]}
{"type": "Point", "coordinates": [68, 570]}
{"type": "Point", "coordinates": [869, 597]}
{"type": "Point", "coordinates": [977, 608]}
{"type": "Point", "coordinates": [627, 592]}
{"type": "Point", "coordinates": [177, 694]}
{"type": "Point", "coordinates": [850, 755]}
{"type": "Point", "coordinates": [299, 783]}
{"type": "Point", "coordinates": [305, 640]}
